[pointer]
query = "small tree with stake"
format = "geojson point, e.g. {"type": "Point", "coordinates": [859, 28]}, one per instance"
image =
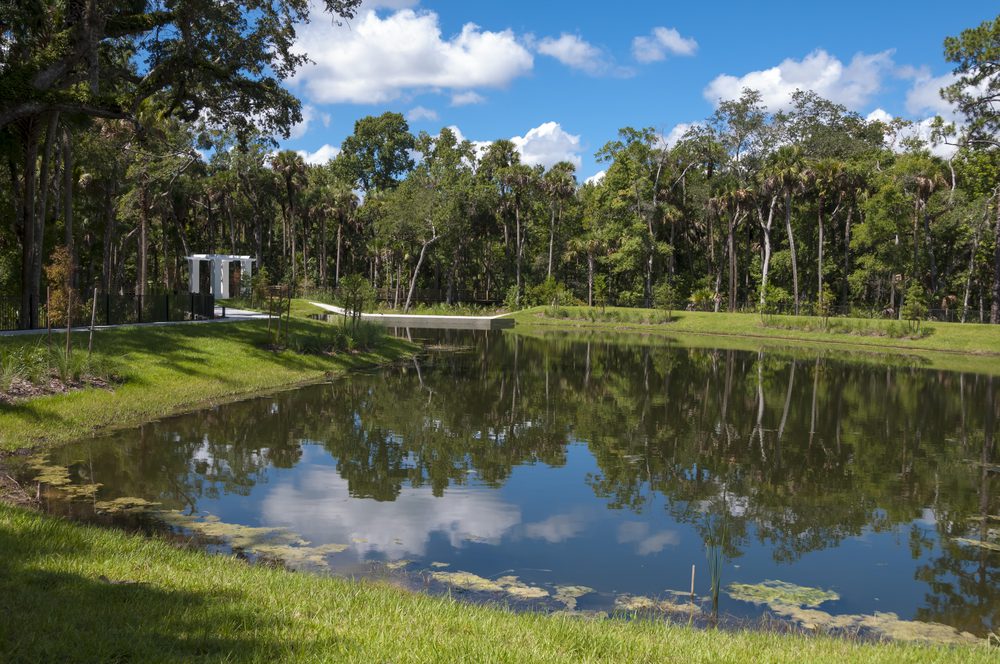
{"type": "Point", "coordinates": [915, 308]}
{"type": "Point", "coordinates": [665, 297]}
{"type": "Point", "coordinates": [355, 295]}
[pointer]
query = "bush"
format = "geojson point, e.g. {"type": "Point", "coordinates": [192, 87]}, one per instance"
{"type": "Point", "coordinates": [702, 299]}
{"type": "Point", "coordinates": [548, 293]}
{"type": "Point", "coordinates": [915, 307]}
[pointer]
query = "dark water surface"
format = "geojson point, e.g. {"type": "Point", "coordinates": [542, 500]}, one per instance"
{"type": "Point", "coordinates": [605, 463]}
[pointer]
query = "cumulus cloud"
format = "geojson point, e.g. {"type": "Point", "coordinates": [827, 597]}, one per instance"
{"type": "Point", "coordinates": [377, 59]}
{"type": "Point", "coordinates": [309, 114]}
{"type": "Point", "coordinates": [661, 42]}
{"type": "Point", "coordinates": [921, 130]}
{"type": "Point", "coordinates": [852, 84]}
{"type": "Point", "coordinates": [418, 113]}
{"type": "Point", "coordinates": [548, 144]}
{"type": "Point", "coordinates": [638, 533]}
{"type": "Point", "coordinates": [924, 96]}
{"type": "Point", "coordinates": [320, 156]}
{"type": "Point", "coordinates": [467, 98]}
{"type": "Point", "coordinates": [577, 53]}
{"type": "Point", "coordinates": [479, 147]}
{"type": "Point", "coordinates": [556, 528]}
{"type": "Point", "coordinates": [319, 507]}
{"type": "Point", "coordinates": [596, 178]}
{"type": "Point", "coordinates": [674, 136]}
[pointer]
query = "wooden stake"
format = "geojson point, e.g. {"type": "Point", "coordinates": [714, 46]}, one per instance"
{"type": "Point", "coordinates": [93, 319]}
{"type": "Point", "coordinates": [48, 311]}
{"type": "Point", "coordinates": [692, 582]}
{"type": "Point", "coordinates": [69, 319]}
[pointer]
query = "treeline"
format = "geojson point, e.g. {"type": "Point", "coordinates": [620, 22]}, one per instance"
{"type": "Point", "coordinates": [808, 208]}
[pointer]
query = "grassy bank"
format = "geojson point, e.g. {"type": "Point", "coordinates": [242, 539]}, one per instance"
{"type": "Point", "coordinates": [951, 346]}
{"type": "Point", "coordinates": [171, 369]}
{"type": "Point", "coordinates": [79, 593]}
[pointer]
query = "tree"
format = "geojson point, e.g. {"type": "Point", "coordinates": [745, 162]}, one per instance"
{"type": "Point", "coordinates": [976, 94]}
{"type": "Point", "coordinates": [915, 307]}
{"type": "Point", "coordinates": [559, 185]}
{"type": "Point", "coordinates": [355, 296]}
{"type": "Point", "coordinates": [666, 298]}
{"type": "Point", "coordinates": [378, 153]}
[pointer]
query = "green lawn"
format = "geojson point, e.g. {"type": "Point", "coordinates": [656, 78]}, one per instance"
{"type": "Point", "coordinates": [170, 369]}
{"type": "Point", "coordinates": [80, 593]}
{"type": "Point", "coordinates": [951, 346]}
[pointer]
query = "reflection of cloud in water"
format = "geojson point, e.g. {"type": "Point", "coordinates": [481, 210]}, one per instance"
{"type": "Point", "coordinates": [319, 507]}
{"type": "Point", "coordinates": [556, 528]}
{"type": "Point", "coordinates": [638, 532]}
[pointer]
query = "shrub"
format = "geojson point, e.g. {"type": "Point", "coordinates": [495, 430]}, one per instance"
{"type": "Point", "coordinates": [915, 307]}
{"type": "Point", "coordinates": [702, 299]}
{"type": "Point", "coordinates": [665, 297]}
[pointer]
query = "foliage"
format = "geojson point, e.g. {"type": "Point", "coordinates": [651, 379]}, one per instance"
{"type": "Point", "coordinates": [665, 297]}
{"type": "Point", "coordinates": [914, 305]}
{"type": "Point", "coordinates": [356, 296]}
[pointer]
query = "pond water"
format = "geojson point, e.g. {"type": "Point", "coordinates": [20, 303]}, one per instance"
{"type": "Point", "coordinates": [592, 473]}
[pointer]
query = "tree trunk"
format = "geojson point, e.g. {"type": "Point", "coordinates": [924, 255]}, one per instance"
{"type": "Point", "coordinates": [29, 246]}
{"type": "Point", "coordinates": [552, 240]}
{"type": "Point", "coordinates": [322, 250]}
{"type": "Point", "coordinates": [517, 249]}
{"type": "Point", "coordinates": [416, 271]}
{"type": "Point", "coordinates": [590, 278]}
{"type": "Point", "coordinates": [845, 295]}
{"type": "Point", "coordinates": [141, 265]}
{"type": "Point", "coordinates": [791, 247]}
{"type": "Point", "coordinates": [336, 273]}
{"type": "Point", "coordinates": [819, 256]}
{"type": "Point", "coordinates": [765, 266]}
{"type": "Point", "coordinates": [68, 203]}
{"type": "Point", "coordinates": [995, 309]}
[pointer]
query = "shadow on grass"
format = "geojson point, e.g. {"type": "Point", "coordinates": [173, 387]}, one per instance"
{"type": "Point", "coordinates": [50, 612]}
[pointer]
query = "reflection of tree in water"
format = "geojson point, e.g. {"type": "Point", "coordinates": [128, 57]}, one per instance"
{"type": "Point", "coordinates": [798, 453]}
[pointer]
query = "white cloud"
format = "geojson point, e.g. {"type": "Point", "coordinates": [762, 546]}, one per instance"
{"type": "Point", "coordinates": [419, 113]}
{"type": "Point", "coordinates": [635, 532]}
{"type": "Point", "coordinates": [548, 144]}
{"type": "Point", "coordinates": [556, 528]}
{"type": "Point", "coordinates": [919, 129]}
{"type": "Point", "coordinates": [319, 507]}
{"type": "Point", "coordinates": [389, 4]}
{"type": "Point", "coordinates": [924, 96]}
{"type": "Point", "coordinates": [375, 59]}
{"type": "Point", "coordinates": [675, 135]}
{"type": "Point", "coordinates": [320, 156]}
{"type": "Point", "coordinates": [852, 85]}
{"type": "Point", "coordinates": [659, 43]}
{"type": "Point", "coordinates": [467, 98]}
{"type": "Point", "coordinates": [575, 52]}
{"type": "Point", "coordinates": [479, 147]}
{"type": "Point", "coordinates": [309, 113]}
{"type": "Point", "coordinates": [596, 178]}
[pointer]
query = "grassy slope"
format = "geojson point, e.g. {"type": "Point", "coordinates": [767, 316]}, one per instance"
{"type": "Point", "coordinates": [170, 369]}
{"type": "Point", "coordinates": [188, 605]}
{"type": "Point", "coordinates": [952, 346]}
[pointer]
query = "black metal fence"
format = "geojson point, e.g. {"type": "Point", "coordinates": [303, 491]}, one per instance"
{"type": "Point", "coordinates": [951, 315]}
{"type": "Point", "coordinates": [117, 309]}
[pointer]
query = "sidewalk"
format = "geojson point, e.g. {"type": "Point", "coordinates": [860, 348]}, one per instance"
{"type": "Point", "coordinates": [232, 316]}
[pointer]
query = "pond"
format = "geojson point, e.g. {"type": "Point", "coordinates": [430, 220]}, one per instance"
{"type": "Point", "coordinates": [591, 473]}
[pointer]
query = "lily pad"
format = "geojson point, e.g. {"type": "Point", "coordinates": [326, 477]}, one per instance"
{"type": "Point", "coordinates": [780, 592]}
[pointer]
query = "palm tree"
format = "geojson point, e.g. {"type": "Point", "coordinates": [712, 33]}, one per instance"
{"type": "Point", "coordinates": [826, 177]}
{"type": "Point", "coordinates": [787, 170]}
{"type": "Point", "coordinates": [291, 168]}
{"type": "Point", "coordinates": [559, 185]}
{"type": "Point", "coordinates": [734, 203]}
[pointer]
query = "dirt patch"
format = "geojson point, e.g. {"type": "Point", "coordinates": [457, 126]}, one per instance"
{"type": "Point", "coordinates": [22, 390]}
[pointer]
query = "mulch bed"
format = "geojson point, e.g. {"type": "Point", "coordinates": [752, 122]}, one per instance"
{"type": "Point", "coordinates": [23, 390]}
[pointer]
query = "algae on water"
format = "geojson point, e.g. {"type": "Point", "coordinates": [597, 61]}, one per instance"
{"type": "Point", "coordinates": [780, 592]}
{"type": "Point", "coordinates": [505, 584]}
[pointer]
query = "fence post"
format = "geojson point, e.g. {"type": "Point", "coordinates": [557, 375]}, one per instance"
{"type": "Point", "coordinates": [138, 299]}
{"type": "Point", "coordinates": [166, 307]}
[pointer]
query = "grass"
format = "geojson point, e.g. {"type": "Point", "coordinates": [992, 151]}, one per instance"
{"type": "Point", "coordinates": [72, 592]}
{"type": "Point", "coordinates": [952, 346]}
{"type": "Point", "coordinates": [170, 369]}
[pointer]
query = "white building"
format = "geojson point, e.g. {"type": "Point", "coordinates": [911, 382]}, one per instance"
{"type": "Point", "coordinates": [219, 267]}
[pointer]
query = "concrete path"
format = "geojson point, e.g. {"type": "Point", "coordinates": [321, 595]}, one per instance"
{"type": "Point", "coordinates": [232, 316]}
{"type": "Point", "coordinates": [429, 321]}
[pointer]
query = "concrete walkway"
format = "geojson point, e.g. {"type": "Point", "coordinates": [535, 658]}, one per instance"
{"type": "Point", "coordinates": [429, 321]}
{"type": "Point", "coordinates": [232, 316]}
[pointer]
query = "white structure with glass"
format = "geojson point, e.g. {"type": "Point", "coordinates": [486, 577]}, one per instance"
{"type": "Point", "coordinates": [220, 266]}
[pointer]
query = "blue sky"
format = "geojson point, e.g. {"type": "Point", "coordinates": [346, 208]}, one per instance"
{"type": "Point", "coordinates": [561, 77]}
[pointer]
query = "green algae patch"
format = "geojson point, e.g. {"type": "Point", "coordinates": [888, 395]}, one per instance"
{"type": "Point", "coordinates": [780, 592]}
{"type": "Point", "coordinates": [440, 565]}
{"type": "Point", "coordinates": [641, 603]}
{"type": "Point", "coordinates": [567, 595]}
{"type": "Point", "coordinates": [124, 505]}
{"type": "Point", "coordinates": [277, 544]}
{"type": "Point", "coordinates": [58, 477]}
{"type": "Point", "coordinates": [398, 564]}
{"type": "Point", "coordinates": [510, 585]}
{"type": "Point", "coordinates": [885, 625]}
